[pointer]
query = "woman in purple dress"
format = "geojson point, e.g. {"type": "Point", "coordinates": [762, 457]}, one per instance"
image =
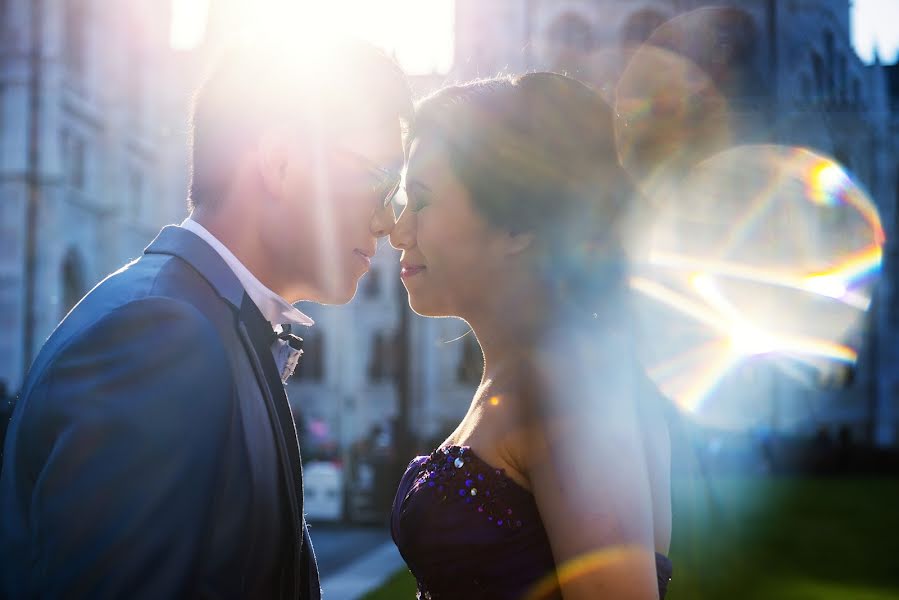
{"type": "Point", "coordinates": [556, 482]}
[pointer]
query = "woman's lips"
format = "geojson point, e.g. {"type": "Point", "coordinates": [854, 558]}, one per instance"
{"type": "Point", "coordinates": [411, 270]}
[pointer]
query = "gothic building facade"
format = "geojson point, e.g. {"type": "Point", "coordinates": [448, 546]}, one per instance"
{"type": "Point", "coordinates": [87, 171]}
{"type": "Point", "coordinates": [93, 161]}
{"type": "Point", "coordinates": [791, 76]}
{"type": "Point", "coordinates": [93, 144]}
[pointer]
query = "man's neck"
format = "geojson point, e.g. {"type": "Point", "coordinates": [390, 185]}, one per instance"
{"type": "Point", "coordinates": [273, 305]}
{"type": "Point", "coordinates": [235, 232]}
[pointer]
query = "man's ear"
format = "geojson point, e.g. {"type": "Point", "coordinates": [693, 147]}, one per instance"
{"type": "Point", "coordinates": [272, 157]}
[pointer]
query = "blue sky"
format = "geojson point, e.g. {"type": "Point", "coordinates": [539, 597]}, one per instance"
{"type": "Point", "coordinates": [428, 45]}
{"type": "Point", "coordinates": [876, 22]}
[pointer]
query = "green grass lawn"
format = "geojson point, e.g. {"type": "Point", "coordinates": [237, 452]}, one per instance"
{"type": "Point", "coordinates": [399, 587]}
{"type": "Point", "coordinates": [774, 538]}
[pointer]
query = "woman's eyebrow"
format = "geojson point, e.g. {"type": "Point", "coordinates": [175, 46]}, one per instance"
{"type": "Point", "coordinates": [416, 183]}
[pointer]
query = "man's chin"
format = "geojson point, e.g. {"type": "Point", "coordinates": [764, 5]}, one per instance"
{"type": "Point", "coordinates": [337, 296]}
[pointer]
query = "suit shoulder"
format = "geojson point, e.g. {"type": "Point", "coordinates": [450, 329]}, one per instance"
{"type": "Point", "coordinates": [154, 366]}
{"type": "Point", "coordinates": [153, 275]}
{"type": "Point", "coordinates": [151, 324]}
{"type": "Point", "coordinates": [151, 341]}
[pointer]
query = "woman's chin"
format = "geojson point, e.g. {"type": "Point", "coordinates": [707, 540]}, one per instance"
{"type": "Point", "coordinates": [427, 308]}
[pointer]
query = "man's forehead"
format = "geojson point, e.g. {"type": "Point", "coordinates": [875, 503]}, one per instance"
{"type": "Point", "coordinates": [361, 120]}
{"type": "Point", "coordinates": [378, 137]}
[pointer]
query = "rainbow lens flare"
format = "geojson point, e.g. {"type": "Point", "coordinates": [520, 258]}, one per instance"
{"type": "Point", "coordinates": [759, 269]}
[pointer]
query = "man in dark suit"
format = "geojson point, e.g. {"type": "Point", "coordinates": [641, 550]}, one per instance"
{"type": "Point", "coordinates": [153, 453]}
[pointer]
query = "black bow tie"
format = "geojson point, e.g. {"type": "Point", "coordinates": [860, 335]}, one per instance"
{"type": "Point", "coordinates": [292, 340]}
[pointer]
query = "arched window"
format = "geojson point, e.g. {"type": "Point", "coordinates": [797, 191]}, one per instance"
{"type": "Point", "coordinates": [572, 32]}
{"type": "Point", "coordinates": [75, 36]}
{"type": "Point", "coordinates": [830, 66]}
{"type": "Point", "coordinates": [371, 284]}
{"type": "Point", "coordinates": [73, 280]}
{"type": "Point", "coordinates": [723, 43]}
{"type": "Point", "coordinates": [74, 157]}
{"type": "Point", "coordinates": [471, 362]}
{"type": "Point", "coordinates": [640, 25]}
{"type": "Point", "coordinates": [738, 31]}
{"type": "Point", "coordinates": [735, 50]}
{"type": "Point", "coordinates": [843, 82]}
{"type": "Point", "coordinates": [312, 364]}
{"type": "Point", "coordinates": [818, 73]}
{"type": "Point", "coordinates": [569, 41]}
{"type": "Point", "coordinates": [382, 361]}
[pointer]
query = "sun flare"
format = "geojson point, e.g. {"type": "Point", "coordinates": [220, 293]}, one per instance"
{"type": "Point", "coordinates": [419, 34]}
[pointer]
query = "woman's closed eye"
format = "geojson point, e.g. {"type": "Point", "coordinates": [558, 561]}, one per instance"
{"type": "Point", "coordinates": [418, 202]}
{"type": "Point", "coordinates": [418, 196]}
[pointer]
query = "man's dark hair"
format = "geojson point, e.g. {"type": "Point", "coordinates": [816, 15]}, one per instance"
{"type": "Point", "coordinates": [254, 88]}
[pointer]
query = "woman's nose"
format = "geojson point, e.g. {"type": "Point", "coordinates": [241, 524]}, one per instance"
{"type": "Point", "coordinates": [382, 221]}
{"type": "Point", "coordinates": [402, 237]}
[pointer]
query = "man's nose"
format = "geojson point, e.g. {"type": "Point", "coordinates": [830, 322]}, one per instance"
{"type": "Point", "coordinates": [382, 221]}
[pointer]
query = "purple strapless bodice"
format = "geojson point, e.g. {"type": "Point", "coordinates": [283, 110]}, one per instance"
{"type": "Point", "coordinates": [466, 530]}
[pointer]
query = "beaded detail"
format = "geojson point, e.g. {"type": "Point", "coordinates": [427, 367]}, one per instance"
{"type": "Point", "coordinates": [456, 472]}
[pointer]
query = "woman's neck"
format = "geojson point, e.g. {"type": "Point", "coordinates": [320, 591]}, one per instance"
{"type": "Point", "coordinates": [509, 326]}
{"type": "Point", "coordinates": [512, 325]}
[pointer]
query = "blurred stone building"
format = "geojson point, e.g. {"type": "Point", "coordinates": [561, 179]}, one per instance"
{"type": "Point", "coordinates": [790, 76]}
{"type": "Point", "coordinates": [93, 138]}
{"type": "Point", "coordinates": [87, 167]}
{"type": "Point", "coordinates": [93, 123]}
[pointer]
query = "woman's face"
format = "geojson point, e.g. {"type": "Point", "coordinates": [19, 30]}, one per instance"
{"type": "Point", "coordinates": [451, 258]}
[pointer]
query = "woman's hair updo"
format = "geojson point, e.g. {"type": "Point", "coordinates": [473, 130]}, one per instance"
{"type": "Point", "coordinates": [537, 154]}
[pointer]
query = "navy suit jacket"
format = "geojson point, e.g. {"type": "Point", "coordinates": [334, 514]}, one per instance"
{"type": "Point", "coordinates": [152, 453]}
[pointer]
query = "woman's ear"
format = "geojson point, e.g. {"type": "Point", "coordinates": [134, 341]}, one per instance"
{"type": "Point", "coordinates": [272, 156]}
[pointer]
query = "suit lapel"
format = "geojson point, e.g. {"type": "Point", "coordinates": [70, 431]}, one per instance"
{"type": "Point", "coordinates": [256, 334]}
{"type": "Point", "coordinates": [190, 248]}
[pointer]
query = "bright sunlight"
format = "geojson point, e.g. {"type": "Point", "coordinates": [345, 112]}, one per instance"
{"type": "Point", "coordinates": [419, 34]}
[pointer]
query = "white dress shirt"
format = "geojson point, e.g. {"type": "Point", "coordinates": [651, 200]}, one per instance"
{"type": "Point", "coordinates": [273, 307]}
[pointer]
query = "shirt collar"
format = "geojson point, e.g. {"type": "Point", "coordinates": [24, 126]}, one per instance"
{"type": "Point", "coordinates": [272, 306]}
